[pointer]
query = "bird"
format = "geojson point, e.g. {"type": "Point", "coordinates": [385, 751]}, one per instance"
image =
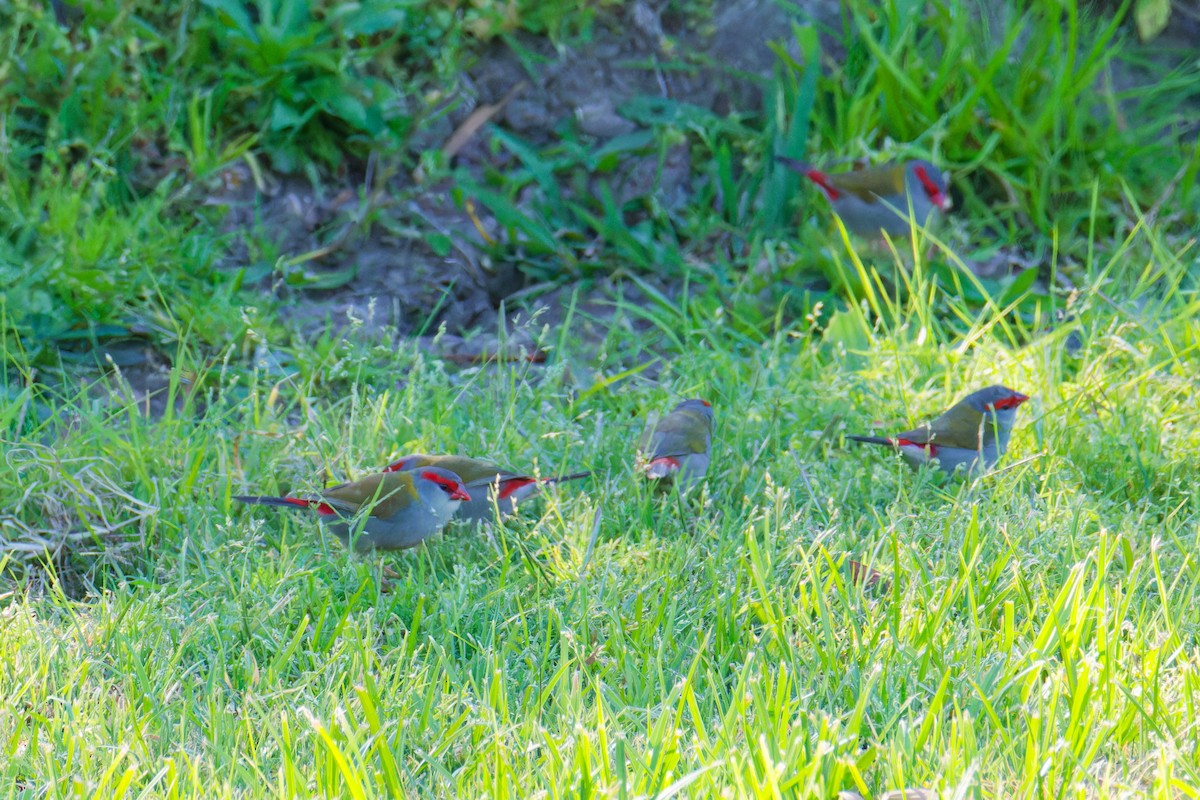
{"type": "Point", "coordinates": [876, 199]}
{"type": "Point", "coordinates": [971, 434]}
{"type": "Point", "coordinates": [402, 508]}
{"type": "Point", "coordinates": [679, 448]}
{"type": "Point", "coordinates": [492, 487]}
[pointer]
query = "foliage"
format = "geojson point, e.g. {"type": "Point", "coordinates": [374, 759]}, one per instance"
{"type": "Point", "coordinates": [1034, 632]}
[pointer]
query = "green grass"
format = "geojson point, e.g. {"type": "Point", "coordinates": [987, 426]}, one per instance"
{"type": "Point", "coordinates": [1036, 631]}
{"type": "Point", "coordinates": [1037, 638]}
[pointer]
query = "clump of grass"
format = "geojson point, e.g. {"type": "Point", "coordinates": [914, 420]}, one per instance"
{"type": "Point", "coordinates": [1017, 105]}
{"type": "Point", "coordinates": [116, 128]}
{"type": "Point", "coordinates": [73, 511]}
{"type": "Point", "coordinates": [1017, 102]}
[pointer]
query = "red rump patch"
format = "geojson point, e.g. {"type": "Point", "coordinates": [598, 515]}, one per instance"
{"type": "Point", "coordinates": [670, 462]}
{"type": "Point", "coordinates": [931, 449]}
{"type": "Point", "coordinates": [510, 486]}
{"type": "Point", "coordinates": [324, 509]}
{"type": "Point", "coordinates": [822, 180]}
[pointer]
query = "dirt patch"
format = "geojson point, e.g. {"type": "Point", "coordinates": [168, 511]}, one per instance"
{"type": "Point", "coordinates": [396, 255]}
{"type": "Point", "coordinates": [378, 264]}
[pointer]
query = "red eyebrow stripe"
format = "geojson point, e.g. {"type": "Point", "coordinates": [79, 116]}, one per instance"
{"type": "Point", "coordinates": [670, 461]}
{"type": "Point", "coordinates": [398, 466]}
{"type": "Point", "coordinates": [1011, 402]}
{"type": "Point", "coordinates": [931, 188]}
{"type": "Point", "coordinates": [438, 479]}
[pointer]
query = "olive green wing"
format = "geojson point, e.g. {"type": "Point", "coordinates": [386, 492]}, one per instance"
{"type": "Point", "coordinates": [960, 426]}
{"type": "Point", "coordinates": [473, 471]}
{"type": "Point", "coordinates": [385, 492]}
{"type": "Point", "coordinates": [680, 433]}
{"type": "Point", "coordinates": [870, 184]}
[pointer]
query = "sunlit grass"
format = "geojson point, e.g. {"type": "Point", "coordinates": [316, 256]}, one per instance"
{"type": "Point", "coordinates": [1035, 634]}
{"type": "Point", "coordinates": [1032, 632]}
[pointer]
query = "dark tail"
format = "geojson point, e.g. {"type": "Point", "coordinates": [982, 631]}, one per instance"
{"type": "Point", "coordinates": [257, 500]}
{"type": "Point", "coordinates": [814, 175]}
{"type": "Point", "coordinates": [574, 476]}
{"type": "Point", "coordinates": [793, 163]}
{"type": "Point", "coordinates": [870, 439]}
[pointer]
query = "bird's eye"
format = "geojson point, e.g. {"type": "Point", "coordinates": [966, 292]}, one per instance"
{"type": "Point", "coordinates": [1011, 401]}
{"type": "Point", "coordinates": [446, 485]}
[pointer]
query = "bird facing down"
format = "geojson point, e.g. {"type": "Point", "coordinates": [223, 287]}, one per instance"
{"type": "Point", "coordinates": [401, 509]}
{"type": "Point", "coordinates": [972, 434]}
{"type": "Point", "coordinates": [876, 199]}
{"type": "Point", "coordinates": [678, 450]}
{"type": "Point", "coordinates": [491, 487]}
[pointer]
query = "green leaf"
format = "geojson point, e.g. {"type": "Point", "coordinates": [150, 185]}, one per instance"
{"type": "Point", "coordinates": [284, 117]}
{"type": "Point", "coordinates": [795, 91]}
{"type": "Point", "coordinates": [293, 15]}
{"type": "Point", "coordinates": [233, 14]}
{"type": "Point", "coordinates": [346, 107]}
{"type": "Point", "coordinates": [848, 329]}
{"type": "Point", "coordinates": [635, 142]}
{"type": "Point", "coordinates": [439, 243]}
{"type": "Point", "coordinates": [1019, 286]}
{"type": "Point", "coordinates": [537, 234]}
{"type": "Point", "coordinates": [323, 280]}
{"type": "Point", "coordinates": [1151, 17]}
{"type": "Point", "coordinates": [359, 21]}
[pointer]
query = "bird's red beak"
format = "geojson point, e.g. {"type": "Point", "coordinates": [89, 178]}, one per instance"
{"type": "Point", "coordinates": [460, 493]}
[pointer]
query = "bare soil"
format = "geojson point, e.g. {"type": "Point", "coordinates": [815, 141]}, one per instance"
{"type": "Point", "coordinates": [375, 264]}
